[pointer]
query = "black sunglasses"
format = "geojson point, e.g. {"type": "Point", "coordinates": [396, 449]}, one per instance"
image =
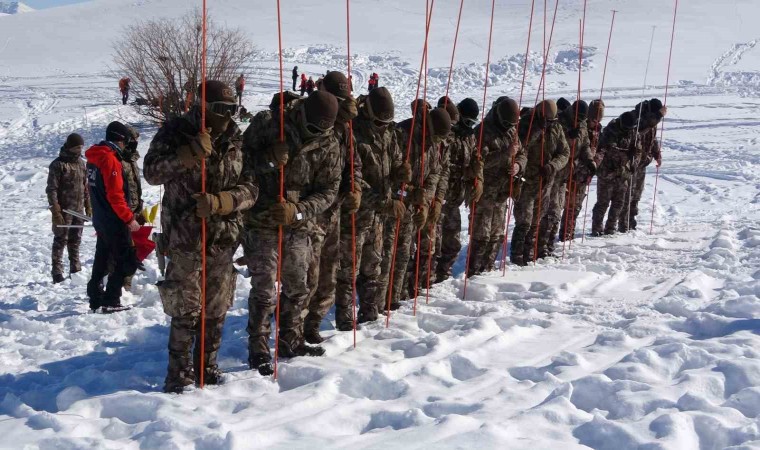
{"type": "Point", "coordinates": [222, 108]}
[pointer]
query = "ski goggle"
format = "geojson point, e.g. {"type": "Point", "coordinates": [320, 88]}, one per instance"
{"type": "Point", "coordinates": [469, 122]}
{"type": "Point", "coordinates": [222, 108]}
{"type": "Point", "coordinates": [316, 131]}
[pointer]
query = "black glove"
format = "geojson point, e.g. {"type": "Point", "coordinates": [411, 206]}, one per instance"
{"type": "Point", "coordinates": [591, 166]}
{"type": "Point", "coordinates": [575, 133]}
{"type": "Point", "coordinates": [547, 171]}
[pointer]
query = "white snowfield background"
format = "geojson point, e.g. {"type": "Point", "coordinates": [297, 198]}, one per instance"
{"type": "Point", "coordinates": [636, 341]}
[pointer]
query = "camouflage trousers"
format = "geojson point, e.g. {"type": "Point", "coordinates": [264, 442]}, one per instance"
{"type": "Point", "coordinates": [369, 248]}
{"type": "Point", "coordinates": [576, 199]}
{"type": "Point", "coordinates": [260, 246]}
{"type": "Point", "coordinates": [611, 190]}
{"type": "Point", "coordinates": [632, 199]}
{"type": "Point", "coordinates": [527, 215]}
{"type": "Point", "coordinates": [69, 239]}
{"type": "Point", "coordinates": [426, 242]}
{"type": "Point", "coordinates": [181, 297]}
{"type": "Point", "coordinates": [400, 262]}
{"type": "Point", "coordinates": [448, 240]}
{"type": "Point", "coordinates": [323, 268]}
{"type": "Point", "coordinates": [552, 214]}
{"type": "Point", "coordinates": [487, 234]}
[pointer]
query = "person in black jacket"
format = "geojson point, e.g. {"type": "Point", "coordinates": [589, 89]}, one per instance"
{"type": "Point", "coordinates": [112, 218]}
{"type": "Point", "coordinates": [295, 77]}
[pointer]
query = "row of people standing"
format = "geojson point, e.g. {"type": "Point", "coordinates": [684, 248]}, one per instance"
{"type": "Point", "coordinates": [402, 178]}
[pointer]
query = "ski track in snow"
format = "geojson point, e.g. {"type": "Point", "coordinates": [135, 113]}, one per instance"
{"type": "Point", "coordinates": [632, 341]}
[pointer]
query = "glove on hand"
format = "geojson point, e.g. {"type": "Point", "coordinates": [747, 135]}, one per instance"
{"type": "Point", "coordinates": [57, 217]}
{"type": "Point", "coordinates": [347, 110]}
{"type": "Point", "coordinates": [420, 217]}
{"type": "Point", "coordinates": [199, 148]}
{"type": "Point", "coordinates": [546, 171]}
{"type": "Point", "coordinates": [403, 173]}
{"type": "Point", "coordinates": [207, 204]}
{"type": "Point", "coordinates": [416, 196]}
{"type": "Point", "coordinates": [283, 213]}
{"type": "Point", "coordinates": [476, 192]}
{"type": "Point", "coordinates": [352, 201]}
{"type": "Point", "coordinates": [394, 208]}
{"type": "Point", "coordinates": [279, 154]}
{"type": "Point", "coordinates": [435, 214]}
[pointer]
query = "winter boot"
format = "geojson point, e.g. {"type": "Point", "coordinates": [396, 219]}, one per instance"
{"type": "Point", "coordinates": [346, 326]}
{"type": "Point", "coordinates": [211, 376]}
{"type": "Point", "coordinates": [311, 333]}
{"type": "Point", "coordinates": [177, 380]}
{"type": "Point", "coordinates": [262, 362]}
{"type": "Point", "coordinates": [95, 293]}
{"type": "Point", "coordinates": [75, 266]}
{"type": "Point", "coordinates": [57, 278]}
{"type": "Point", "coordinates": [288, 351]}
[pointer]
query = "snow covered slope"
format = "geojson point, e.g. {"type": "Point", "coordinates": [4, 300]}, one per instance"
{"type": "Point", "coordinates": [630, 342]}
{"type": "Point", "coordinates": [14, 8]}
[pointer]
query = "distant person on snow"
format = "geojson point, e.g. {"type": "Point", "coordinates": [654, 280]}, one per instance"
{"type": "Point", "coordinates": [303, 84]}
{"type": "Point", "coordinates": [124, 89]}
{"type": "Point", "coordinates": [239, 88]}
{"type": "Point", "coordinates": [310, 86]}
{"type": "Point", "coordinates": [371, 83]}
{"type": "Point", "coordinates": [295, 77]}
{"type": "Point", "coordinates": [67, 189]}
{"type": "Point", "coordinates": [112, 218]}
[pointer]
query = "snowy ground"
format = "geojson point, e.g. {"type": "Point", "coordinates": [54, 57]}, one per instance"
{"type": "Point", "coordinates": [634, 341]}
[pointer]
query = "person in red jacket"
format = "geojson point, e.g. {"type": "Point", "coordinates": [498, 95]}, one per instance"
{"type": "Point", "coordinates": [124, 89]}
{"type": "Point", "coordinates": [112, 218]}
{"type": "Point", "coordinates": [303, 84]}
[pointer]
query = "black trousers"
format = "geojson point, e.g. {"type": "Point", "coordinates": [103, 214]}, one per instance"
{"type": "Point", "coordinates": [116, 245]}
{"type": "Point", "coordinates": [294, 83]}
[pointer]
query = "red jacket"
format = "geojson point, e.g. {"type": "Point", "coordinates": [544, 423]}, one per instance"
{"type": "Point", "coordinates": [108, 187]}
{"type": "Point", "coordinates": [240, 84]}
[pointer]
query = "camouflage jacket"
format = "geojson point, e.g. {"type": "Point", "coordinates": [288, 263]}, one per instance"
{"type": "Point", "coordinates": [500, 149]}
{"type": "Point", "coordinates": [381, 155]}
{"type": "Point", "coordinates": [461, 154]}
{"type": "Point", "coordinates": [312, 174]}
{"type": "Point", "coordinates": [67, 182]}
{"type": "Point", "coordinates": [224, 172]}
{"type": "Point", "coordinates": [342, 135]}
{"type": "Point", "coordinates": [132, 172]}
{"type": "Point", "coordinates": [580, 148]}
{"type": "Point", "coordinates": [616, 152]}
{"type": "Point", "coordinates": [649, 146]}
{"type": "Point", "coordinates": [444, 158]}
{"type": "Point", "coordinates": [546, 146]}
{"type": "Point", "coordinates": [430, 172]}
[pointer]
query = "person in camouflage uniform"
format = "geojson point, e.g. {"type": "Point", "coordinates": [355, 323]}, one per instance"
{"type": "Point", "coordinates": [310, 159]}
{"type": "Point", "coordinates": [650, 113]}
{"type": "Point", "coordinates": [382, 168]}
{"type": "Point", "coordinates": [464, 167]}
{"type": "Point", "coordinates": [503, 158]}
{"type": "Point", "coordinates": [429, 241]}
{"type": "Point", "coordinates": [326, 251]}
{"type": "Point", "coordinates": [616, 153]}
{"type": "Point", "coordinates": [584, 170]}
{"type": "Point", "coordinates": [173, 160]}
{"type": "Point", "coordinates": [547, 153]}
{"type": "Point", "coordinates": [418, 195]}
{"type": "Point", "coordinates": [576, 132]}
{"type": "Point", "coordinates": [67, 189]}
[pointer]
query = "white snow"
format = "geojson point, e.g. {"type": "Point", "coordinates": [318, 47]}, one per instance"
{"type": "Point", "coordinates": [635, 341]}
{"type": "Point", "coordinates": [7, 8]}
